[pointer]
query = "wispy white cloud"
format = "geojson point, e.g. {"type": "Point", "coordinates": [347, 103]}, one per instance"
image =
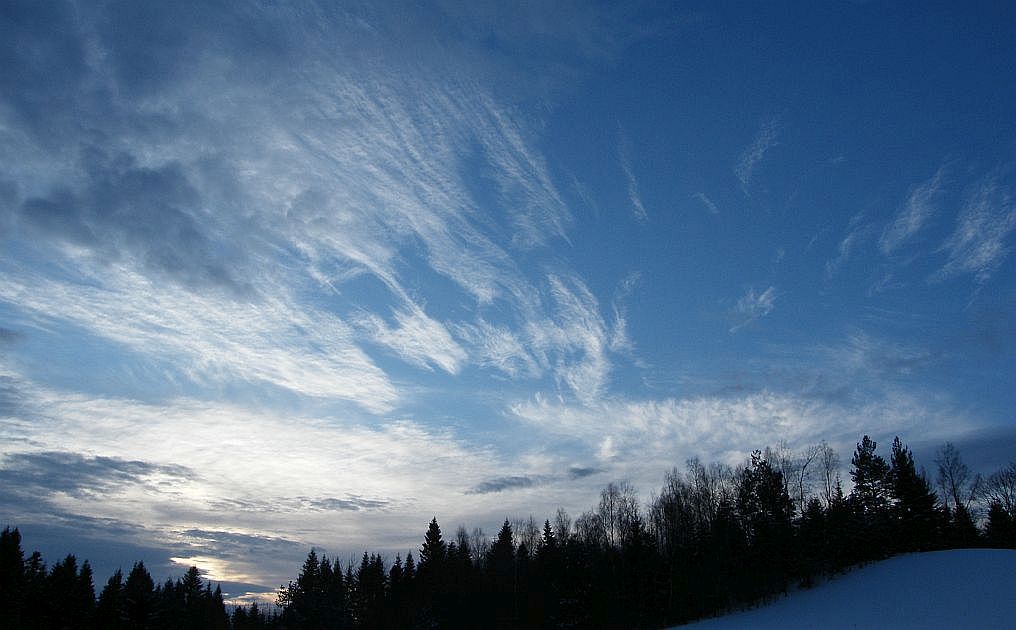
{"type": "Point", "coordinates": [920, 205]}
{"type": "Point", "coordinates": [417, 339]}
{"type": "Point", "coordinates": [646, 436]}
{"type": "Point", "coordinates": [248, 470]}
{"type": "Point", "coordinates": [575, 340]}
{"type": "Point", "coordinates": [979, 243]}
{"type": "Point", "coordinates": [857, 232]}
{"type": "Point", "coordinates": [843, 252]}
{"type": "Point", "coordinates": [880, 357]}
{"type": "Point", "coordinates": [707, 202]}
{"type": "Point", "coordinates": [752, 306]}
{"type": "Point", "coordinates": [619, 339]}
{"type": "Point", "coordinates": [500, 348]}
{"type": "Point", "coordinates": [765, 139]}
{"type": "Point", "coordinates": [350, 173]}
{"type": "Point", "coordinates": [624, 153]}
{"type": "Point", "coordinates": [304, 350]}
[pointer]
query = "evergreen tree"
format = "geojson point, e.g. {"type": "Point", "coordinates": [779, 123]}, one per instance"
{"type": "Point", "coordinates": [302, 600]}
{"type": "Point", "coordinates": [870, 474]}
{"type": "Point", "coordinates": [111, 611]}
{"type": "Point", "coordinates": [12, 575]}
{"type": "Point", "coordinates": [216, 618]}
{"type": "Point", "coordinates": [434, 550]}
{"type": "Point", "coordinates": [918, 520]}
{"type": "Point", "coordinates": [410, 570]}
{"type": "Point", "coordinates": [35, 605]}
{"type": "Point", "coordinates": [84, 594]}
{"type": "Point", "coordinates": [869, 501]}
{"type": "Point", "coordinates": [1000, 529]}
{"type": "Point", "coordinates": [766, 509]}
{"type": "Point", "coordinates": [502, 576]}
{"type": "Point", "coordinates": [61, 593]}
{"type": "Point", "coordinates": [548, 541]}
{"type": "Point", "coordinates": [335, 598]}
{"type": "Point", "coordinates": [140, 604]}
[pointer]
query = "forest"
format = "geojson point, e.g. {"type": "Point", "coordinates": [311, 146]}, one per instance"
{"type": "Point", "coordinates": [713, 539]}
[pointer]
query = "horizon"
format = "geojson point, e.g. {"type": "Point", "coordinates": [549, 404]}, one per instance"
{"type": "Point", "coordinates": [280, 277]}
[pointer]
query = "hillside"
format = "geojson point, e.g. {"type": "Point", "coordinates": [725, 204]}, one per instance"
{"type": "Point", "coordinates": [965, 588]}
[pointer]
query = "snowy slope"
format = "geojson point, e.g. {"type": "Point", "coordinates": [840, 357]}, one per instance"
{"type": "Point", "coordinates": [965, 588]}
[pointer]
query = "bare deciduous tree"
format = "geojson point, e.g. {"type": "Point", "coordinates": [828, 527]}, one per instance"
{"type": "Point", "coordinates": [958, 485]}
{"type": "Point", "coordinates": [478, 544]}
{"type": "Point", "coordinates": [617, 510]}
{"type": "Point", "coordinates": [1001, 488]}
{"type": "Point", "coordinates": [562, 525]}
{"type": "Point", "coordinates": [829, 467]}
{"type": "Point", "coordinates": [804, 470]}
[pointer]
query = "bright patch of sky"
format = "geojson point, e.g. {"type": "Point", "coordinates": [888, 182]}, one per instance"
{"type": "Point", "coordinates": [278, 275]}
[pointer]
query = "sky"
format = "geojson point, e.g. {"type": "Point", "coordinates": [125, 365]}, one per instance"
{"type": "Point", "coordinates": [281, 275]}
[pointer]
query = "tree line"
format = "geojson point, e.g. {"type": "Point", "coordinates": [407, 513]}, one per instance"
{"type": "Point", "coordinates": [63, 596]}
{"type": "Point", "coordinates": [712, 539]}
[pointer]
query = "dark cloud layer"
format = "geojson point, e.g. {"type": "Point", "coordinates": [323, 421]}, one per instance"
{"type": "Point", "coordinates": [40, 474]}
{"type": "Point", "coordinates": [516, 482]}
{"type": "Point", "coordinates": [349, 503]}
{"type": "Point", "coordinates": [500, 484]}
{"type": "Point", "coordinates": [60, 100]}
{"type": "Point", "coordinates": [148, 214]}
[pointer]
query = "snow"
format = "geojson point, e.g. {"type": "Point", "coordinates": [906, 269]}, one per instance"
{"type": "Point", "coordinates": [962, 588]}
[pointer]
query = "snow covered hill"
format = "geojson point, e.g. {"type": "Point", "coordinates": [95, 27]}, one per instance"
{"type": "Point", "coordinates": [964, 588]}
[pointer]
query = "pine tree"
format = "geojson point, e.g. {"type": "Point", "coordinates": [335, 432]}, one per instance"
{"type": "Point", "coordinates": [918, 520]}
{"type": "Point", "coordinates": [111, 611]}
{"type": "Point", "coordinates": [139, 595]}
{"type": "Point", "coordinates": [12, 575]}
{"type": "Point", "coordinates": [410, 570]}
{"type": "Point", "coordinates": [84, 595]}
{"type": "Point", "coordinates": [1000, 529]}
{"type": "Point", "coordinates": [501, 567]}
{"type": "Point", "coordinates": [870, 474]}
{"type": "Point", "coordinates": [434, 550]}
{"type": "Point", "coordinates": [35, 605]}
{"type": "Point", "coordinates": [869, 502]}
{"type": "Point", "coordinates": [548, 541]}
{"type": "Point", "coordinates": [301, 600]}
{"type": "Point", "coordinates": [62, 593]}
{"type": "Point", "coordinates": [962, 529]}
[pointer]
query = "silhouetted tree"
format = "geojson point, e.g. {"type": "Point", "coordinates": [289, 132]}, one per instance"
{"type": "Point", "coordinates": [918, 519]}
{"type": "Point", "coordinates": [501, 569]}
{"type": "Point", "coordinates": [140, 604]}
{"type": "Point", "coordinates": [869, 501]}
{"type": "Point", "coordinates": [765, 509]}
{"type": "Point", "coordinates": [12, 576]}
{"type": "Point", "coordinates": [1000, 529]}
{"type": "Point", "coordinates": [1000, 488]}
{"type": "Point", "coordinates": [111, 611]}
{"type": "Point", "coordinates": [958, 484]}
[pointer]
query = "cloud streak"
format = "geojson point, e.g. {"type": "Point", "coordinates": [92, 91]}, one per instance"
{"type": "Point", "coordinates": [920, 205]}
{"type": "Point", "coordinates": [978, 245]}
{"type": "Point", "coordinates": [753, 306]}
{"type": "Point", "coordinates": [624, 154]}
{"type": "Point", "coordinates": [707, 202]}
{"type": "Point", "coordinates": [748, 161]}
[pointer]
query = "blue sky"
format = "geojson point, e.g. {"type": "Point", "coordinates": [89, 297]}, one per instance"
{"type": "Point", "coordinates": [276, 275]}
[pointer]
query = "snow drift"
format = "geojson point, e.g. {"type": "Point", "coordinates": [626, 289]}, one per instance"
{"type": "Point", "coordinates": [961, 588]}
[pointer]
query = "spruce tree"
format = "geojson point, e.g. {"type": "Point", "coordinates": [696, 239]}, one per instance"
{"type": "Point", "coordinates": [870, 474]}
{"type": "Point", "coordinates": [869, 530]}
{"type": "Point", "coordinates": [111, 611]}
{"type": "Point", "coordinates": [1000, 529]}
{"type": "Point", "coordinates": [140, 603]}
{"type": "Point", "coordinates": [918, 519]}
{"type": "Point", "coordinates": [434, 550]}
{"type": "Point", "coordinates": [12, 575]}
